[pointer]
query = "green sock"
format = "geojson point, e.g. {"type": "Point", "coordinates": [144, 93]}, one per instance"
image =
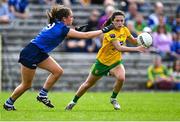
{"type": "Point", "coordinates": [114, 95]}
{"type": "Point", "coordinates": [75, 98]}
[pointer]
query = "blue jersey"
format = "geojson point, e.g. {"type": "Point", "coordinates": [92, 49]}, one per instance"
{"type": "Point", "coordinates": [51, 36]}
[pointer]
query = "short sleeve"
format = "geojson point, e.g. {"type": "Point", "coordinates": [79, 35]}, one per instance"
{"type": "Point", "coordinates": [127, 32]}
{"type": "Point", "coordinates": [65, 30]}
{"type": "Point", "coordinates": [110, 36]}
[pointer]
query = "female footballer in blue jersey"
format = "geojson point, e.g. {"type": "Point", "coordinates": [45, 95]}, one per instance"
{"type": "Point", "coordinates": [35, 54]}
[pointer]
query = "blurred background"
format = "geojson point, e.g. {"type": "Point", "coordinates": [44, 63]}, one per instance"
{"type": "Point", "coordinates": [157, 69]}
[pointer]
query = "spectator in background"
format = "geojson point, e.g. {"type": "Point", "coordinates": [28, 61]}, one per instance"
{"type": "Point", "coordinates": [63, 2]}
{"type": "Point", "coordinates": [85, 2]}
{"type": "Point", "coordinates": [132, 12]}
{"type": "Point", "coordinates": [176, 74]}
{"type": "Point", "coordinates": [90, 45]}
{"type": "Point", "coordinates": [97, 2]}
{"type": "Point", "coordinates": [162, 41]}
{"type": "Point", "coordinates": [108, 12]}
{"type": "Point", "coordinates": [124, 4]}
{"type": "Point", "coordinates": [130, 26]}
{"type": "Point", "coordinates": [153, 18]}
{"type": "Point", "coordinates": [158, 75]}
{"type": "Point", "coordinates": [162, 23]}
{"type": "Point", "coordinates": [175, 46]}
{"type": "Point", "coordinates": [93, 44]}
{"type": "Point", "coordinates": [140, 23]}
{"type": "Point", "coordinates": [92, 22]}
{"type": "Point", "coordinates": [18, 8]}
{"type": "Point", "coordinates": [47, 2]}
{"type": "Point", "coordinates": [109, 2]}
{"type": "Point", "coordinates": [4, 12]}
{"type": "Point", "coordinates": [74, 44]}
{"type": "Point", "coordinates": [176, 24]}
{"type": "Point", "coordinates": [67, 2]}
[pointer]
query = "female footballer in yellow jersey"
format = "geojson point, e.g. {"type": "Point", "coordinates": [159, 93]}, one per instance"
{"type": "Point", "coordinates": [109, 59]}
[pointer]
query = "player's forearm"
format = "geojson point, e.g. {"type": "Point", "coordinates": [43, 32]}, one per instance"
{"type": "Point", "coordinates": [127, 49]}
{"type": "Point", "coordinates": [83, 35]}
{"type": "Point", "coordinates": [92, 34]}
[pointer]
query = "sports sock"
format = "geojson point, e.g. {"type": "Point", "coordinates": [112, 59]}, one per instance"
{"type": "Point", "coordinates": [43, 92]}
{"type": "Point", "coordinates": [75, 99]}
{"type": "Point", "coordinates": [114, 95]}
{"type": "Point", "coordinates": [10, 101]}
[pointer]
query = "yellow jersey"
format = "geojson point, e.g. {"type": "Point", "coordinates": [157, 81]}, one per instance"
{"type": "Point", "coordinates": [157, 72]}
{"type": "Point", "coordinates": [107, 54]}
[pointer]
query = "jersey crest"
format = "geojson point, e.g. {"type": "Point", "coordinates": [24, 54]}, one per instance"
{"type": "Point", "coordinates": [112, 35]}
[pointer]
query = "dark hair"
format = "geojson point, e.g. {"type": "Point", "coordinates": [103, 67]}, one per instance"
{"type": "Point", "coordinates": [161, 26]}
{"type": "Point", "coordinates": [116, 13]}
{"type": "Point", "coordinates": [57, 12]}
{"type": "Point", "coordinates": [174, 65]}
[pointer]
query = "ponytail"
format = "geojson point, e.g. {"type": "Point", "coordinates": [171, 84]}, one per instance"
{"type": "Point", "coordinates": [51, 19]}
{"type": "Point", "coordinates": [108, 22]}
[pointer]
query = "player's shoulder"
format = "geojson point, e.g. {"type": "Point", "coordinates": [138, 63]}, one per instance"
{"type": "Point", "coordinates": [59, 24]}
{"type": "Point", "coordinates": [111, 31]}
{"type": "Point", "coordinates": [111, 34]}
{"type": "Point", "coordinates": [125, 28]}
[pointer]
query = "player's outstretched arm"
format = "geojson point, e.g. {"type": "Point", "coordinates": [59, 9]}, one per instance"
{"type": "Point", "coordinates": [91, 34]}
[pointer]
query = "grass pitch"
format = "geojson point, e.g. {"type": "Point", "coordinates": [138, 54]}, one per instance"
{"type": "Point", "coordinates": [164, 106]}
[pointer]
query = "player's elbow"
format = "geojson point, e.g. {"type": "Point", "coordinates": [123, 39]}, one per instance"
{"type": "Point", "coordinates": [120, 49]}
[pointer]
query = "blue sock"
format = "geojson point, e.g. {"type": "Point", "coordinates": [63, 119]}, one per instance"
{"type": "Point", "coordinates": [10, 101]}
{"type": "Point", "coordinates": [43, 92]}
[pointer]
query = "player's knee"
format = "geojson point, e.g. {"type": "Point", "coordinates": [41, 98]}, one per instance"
{"type": "Point", "coordinates": [58, 72]}
{"type": "Point", "coordinates": [26, 86]}
{"type": "Point", "coordinates": [121, 79]}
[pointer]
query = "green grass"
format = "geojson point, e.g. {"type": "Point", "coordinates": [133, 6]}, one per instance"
{"type": "Point", "coordinates": [95, 106]}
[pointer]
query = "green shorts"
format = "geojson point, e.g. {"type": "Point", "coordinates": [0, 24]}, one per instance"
{"type": "Point", "coordinates": [99, 69]}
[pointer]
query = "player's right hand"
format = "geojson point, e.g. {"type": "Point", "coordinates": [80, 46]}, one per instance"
{"type": "Point", "coordinates": [80, 28]}
{"type": "Point", "coordinates": [141, 49]}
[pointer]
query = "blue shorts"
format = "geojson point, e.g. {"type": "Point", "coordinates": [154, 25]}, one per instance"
{"type": "Point", "coordinates": [32, 55]}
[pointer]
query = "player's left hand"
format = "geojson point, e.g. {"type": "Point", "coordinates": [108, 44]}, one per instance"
{"type": "Point", "coordinates": [80, 28]}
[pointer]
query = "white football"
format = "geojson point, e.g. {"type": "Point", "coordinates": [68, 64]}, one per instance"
{"type": "Point", "coordinates": [144, 39]}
